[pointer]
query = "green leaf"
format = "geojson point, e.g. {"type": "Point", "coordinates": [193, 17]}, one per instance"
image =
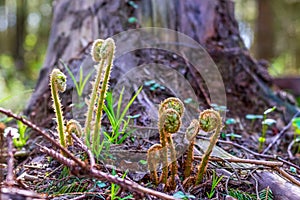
{"type": "Point", "coordinates": [143, 162]}
{"type": "Point", "coordinates": [230, 121]}
{"type": "Point", "coordinates": [261, 139]}
{"type": "Point", "coordinates": [269, 110]}
{"type": "Point", "coordinates": [148, 83]}
{"type": "Point", "coordinates": [100, 184]}
{"type": "Point", "coordinates": [269, 122]}
{"type": "Point", "coordinates": [188, 100]}
{"type": "Point", "coordinates": [233, 135]}
{"type": "Point", "coordinates": [133, 116]}
{"type": "Point", "coordinates": [252, 116]}
{"type": "Point", "coordinates": [296, 122]}
{"type": "Point", "coordinates": [132, 20]}
{"type": "Point", "coordinates": [181, 195]}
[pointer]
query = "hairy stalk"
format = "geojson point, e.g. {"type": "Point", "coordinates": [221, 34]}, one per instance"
{"type": "Point", "coordinates": [107, 52]}
{"type": "Point", "coordinates": [153, 156]}
{"type": "Point", "coordinates": [73, 126]}
{"type": "Point", "coordinates": [170, 113]}
{"type": "Point", "coordinates": [95, 52]}
{"type": "Point", "coordinates": [58, 84]}
{"type": "Point", "coordinates": [190, 134]}
{"type": "Point", "coordinates": [209, 120]}
{"type": "Point", "coordinates": [103, 53]}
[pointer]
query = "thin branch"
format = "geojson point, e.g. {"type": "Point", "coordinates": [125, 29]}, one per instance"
{"type": "Point", "coordinates": [58, 156]}
{"type": "Point", "coordinates": [287, 176]}
{"type": "Point", "coordinates": [10, 161]}
{"type": "Point", "coordinates": [240, 160]}
{"type": "Point", "coordinates": [43, 133]}
{"type": "Point", "coordinates": [273, 157]}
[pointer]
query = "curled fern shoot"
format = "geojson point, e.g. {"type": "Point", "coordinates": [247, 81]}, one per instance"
{"type": "Point", "coordinates": [58, 84]}
{"type": "Point", "coordinates": [153, 155]}
{"type": "Point", "coordinates": [95, 52]}
{"type": "Point", "coordinates": [107, 52]}
{"type": "Point", "coordinates": [102, 52]}
{"type": "Point", "coordinates": [170, 113]}
{"type": "Point", "coordinates": [209, 120]}
{"type": "Point", "coordinates": [73, 126]}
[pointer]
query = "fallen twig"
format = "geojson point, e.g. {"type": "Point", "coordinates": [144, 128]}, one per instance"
{"type": "Point", "coordinates": [240, 160]}
{"type": "Point", "coordinates": [10, 161]}
{"type": "Point", "coordinates": [273, 157]}
{"type": "Point", "coordinates": [287, 176]}
{"type": "Point", "coordinates": [43, 133]}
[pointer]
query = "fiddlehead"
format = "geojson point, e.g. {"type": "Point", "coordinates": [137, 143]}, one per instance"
{"type": "Point", "coordinates": [107, 52]}
{"type": "Point", "coordinates": [73, 126]}
{"type": "Point", "coordinates": [58, 84]}
{"type": "Point", "coordinates": [209, 120]}
{"type": "Point", "coordinates": [170, 113]}
{"type": "Point", "coordinates": [153, 156]}
{"type": "Point", "coordinates": [102, 52]}
{"type": "Point", "coordinates": [95, 53]}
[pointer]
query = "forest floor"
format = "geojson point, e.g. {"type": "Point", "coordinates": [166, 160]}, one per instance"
{"type": "Point", "coordinates": [232, 173]}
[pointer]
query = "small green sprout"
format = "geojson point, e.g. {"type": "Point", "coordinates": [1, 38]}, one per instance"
{"type": "Point", "coordinates": [182, 195]}
{"type": "Point", "coordinates": [296, 125]}
{"type": "Point", "coordinates": [219, 108]}
{"type": "Point", "coordinates": [265, 123]}
{"type": "Point", "coordinates": [215, 182]}
{"type": "Point", "coordinates": [153, 85]}
{"type": "Point", "coordinates": [81, 82]}
{"type": "Point", "coordinates": [117, 118]}
{"type": "Point", "coordinates": [230, 121]}
{"type": "Point", "coordinates": [21, 141]}
{"type": "Point", "coordinates": [132, 20]}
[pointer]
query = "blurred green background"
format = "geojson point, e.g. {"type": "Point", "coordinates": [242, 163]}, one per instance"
{"type": "Point", "coordinates": [270, 29]}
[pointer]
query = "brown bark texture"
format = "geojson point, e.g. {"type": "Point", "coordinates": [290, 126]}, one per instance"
{"type": "Point", "coordinates": [210, 22]}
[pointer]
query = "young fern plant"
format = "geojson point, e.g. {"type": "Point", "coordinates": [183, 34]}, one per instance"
{"type": "Point", "coordinates": [103, 53]}
{"type": "Point", "coordinates": [153, 156]}
{"type": "Point", "coordinates": [58, 84]}
{"type": "Point", "coordinates": [169, 122]}
{"type": "Point", "coordinates": [73, 126]}
{"type": "Point", "coordinates": [209, 120]}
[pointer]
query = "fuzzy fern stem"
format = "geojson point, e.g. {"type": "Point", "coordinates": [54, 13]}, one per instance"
{"type": "Point", "coordinates": [107, 52]}
{"type": "Point", "coordinates": [209, 120]}
{"type": "Point", "coordinates": [58, 84]}
{"type": "Point", "coordinates": [95, 52]}
{"type": "Point", "coordinates": [190, 134]}
{"type": "Point", "coordinates": [170, 113]}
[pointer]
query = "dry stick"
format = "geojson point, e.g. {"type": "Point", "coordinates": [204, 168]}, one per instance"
{"type": "Point", "coordinates": [130, 185]}
{"type": "Point", "coordinates": [281, 133]}
{"type": "Point", "coordinates": [287, 176]}
{"type": "Point", "coordinates": [63, 160]}
{"type": "Point", "coordinates": [43, 133]}
{"type": "Point", "coordinates": [274, 157]}
{"type": "Point", "coordinates": [10, 161]}
{"type": "Point", "coordinates": [240, 160]}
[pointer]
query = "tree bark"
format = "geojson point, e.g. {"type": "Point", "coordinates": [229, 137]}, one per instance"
{"type": "Point", "coordinates": [210, 22]}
